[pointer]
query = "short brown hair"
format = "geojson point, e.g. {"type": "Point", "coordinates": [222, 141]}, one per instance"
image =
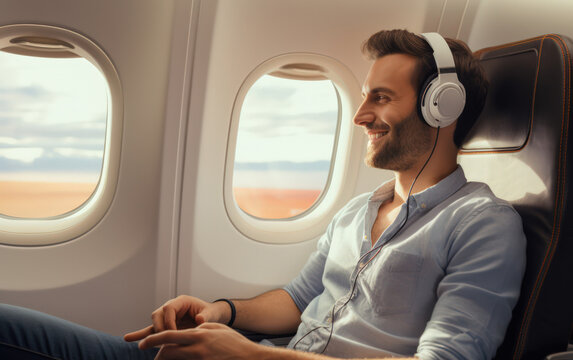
{"type": "Point", "coordinates": [469, 70]}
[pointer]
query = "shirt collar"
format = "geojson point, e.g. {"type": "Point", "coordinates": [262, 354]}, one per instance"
{"type": "Point", "coordinates": [430, 196]}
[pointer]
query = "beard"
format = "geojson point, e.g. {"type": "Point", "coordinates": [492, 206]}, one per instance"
{"type": "Point", "coordinates": [402, 147]}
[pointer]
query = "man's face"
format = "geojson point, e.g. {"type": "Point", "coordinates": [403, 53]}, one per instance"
{"type": "Point", "coordinates": [397, 137]}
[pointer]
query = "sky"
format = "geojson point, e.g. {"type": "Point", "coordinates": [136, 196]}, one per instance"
{"type": "Point", "coordinates": [53, 119]}
{"type": "Point", "coordinates": [286, 134]}
{"type": "Point", "coordinates": [290, 119]}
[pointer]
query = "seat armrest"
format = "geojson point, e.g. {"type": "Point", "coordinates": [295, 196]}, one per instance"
{"type": "Point", "coordinates": [566, 355]}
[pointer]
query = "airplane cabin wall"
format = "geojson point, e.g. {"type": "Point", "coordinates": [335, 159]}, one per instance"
{"type": "Point", "coordinates": [105, 278]}
{"type": "Point", "coordinates": [500, 22]}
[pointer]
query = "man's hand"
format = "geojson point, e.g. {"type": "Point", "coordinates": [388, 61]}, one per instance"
{"type": "Point", "coordinates": [207, 341]}
{"type": "Point", "coordinates": [183, 312]}
{"type": "Point", "coordinates": [214, 341]}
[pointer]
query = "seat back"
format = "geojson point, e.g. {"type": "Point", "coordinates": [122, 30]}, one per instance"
{"type": "Point", "coordinates": [521, 147]}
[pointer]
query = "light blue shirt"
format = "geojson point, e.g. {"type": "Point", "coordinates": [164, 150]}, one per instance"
{"type": "Point", "coordinates": [442, 288]}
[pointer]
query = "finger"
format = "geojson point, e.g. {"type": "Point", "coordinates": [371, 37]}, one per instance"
{"type": "Point", "coordinates": [169, 318]}
{"type": "Point", "coordinates": [139, 334]}
{"type": "Point", "coordinates": [157, 318]}
{"type": "Point", "coordinates": [206, 315]}
{"type": "Point", "coordinates": [202, 317]}
{"type": "Point", "coordinates": [185, 337]}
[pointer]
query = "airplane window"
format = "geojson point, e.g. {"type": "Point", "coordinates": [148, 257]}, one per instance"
{"type": "Point", "coordinates": [52, 133]}
{"type": "Point", "coordinates": [291, 147]}
{"type": "Point", "coordinates": [285, 142]}
{"type": "Point", "coordinates": [61, 125]}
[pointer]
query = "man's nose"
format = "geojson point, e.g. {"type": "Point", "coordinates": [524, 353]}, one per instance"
{"type": "Point", "coordinates": [364, 115]}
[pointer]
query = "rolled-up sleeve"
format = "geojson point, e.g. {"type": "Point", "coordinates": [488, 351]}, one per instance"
{"type": "Point", "coordinates": [485, 266]}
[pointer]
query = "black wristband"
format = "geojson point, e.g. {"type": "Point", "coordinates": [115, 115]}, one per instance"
{"type": "Point", "coordinates": [233, 310]}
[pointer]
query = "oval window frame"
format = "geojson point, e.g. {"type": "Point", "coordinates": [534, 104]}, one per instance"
{"type": "Point", "coordinates": [312, 222]}
{"type": "Point", "coordinates": [70, 225]}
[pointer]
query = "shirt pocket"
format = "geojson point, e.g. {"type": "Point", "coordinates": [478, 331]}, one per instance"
{"type": "Point", "coordinates": [390, 284]}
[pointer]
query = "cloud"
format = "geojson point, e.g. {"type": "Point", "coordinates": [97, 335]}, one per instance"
{"type": "Point", "coordinates": [84, 135]}
{"type": "Point", "coordinates": [279, 107]}
{"type": "Point", "coordinates": [275, 124]}
{"type": "Point", "coordinates": [14, 101]}
{"type": "Point", "coordinates": [281, 175]}
{"type": "Point", "coordinates": [283, 166]}
{"type": "Point", "coordinates": [52, 116]}
{"type": "Point", "coordinates": [52, 163]}
{"type": "Point", "coordinates": [23, 93]}
{"type": "Point", "coordinates": [271, 95]}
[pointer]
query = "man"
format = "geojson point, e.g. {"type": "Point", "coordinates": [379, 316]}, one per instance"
{"type": "Point", "coordinates": [436, 276]}
{"type": "Point", "coordinates": [433, 275]}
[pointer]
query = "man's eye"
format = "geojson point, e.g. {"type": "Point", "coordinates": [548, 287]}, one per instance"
{"type": "Point", "coordinates": [381, 98]}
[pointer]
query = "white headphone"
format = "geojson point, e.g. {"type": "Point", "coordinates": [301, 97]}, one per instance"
{"type": "Point", "coordinates": [443, 98]}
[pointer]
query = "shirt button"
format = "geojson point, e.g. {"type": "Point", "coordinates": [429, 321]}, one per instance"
{"type": "Point", "coordinates": [423, 206]}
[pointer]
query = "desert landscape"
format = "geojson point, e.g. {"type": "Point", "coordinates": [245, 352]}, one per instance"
{"type": "Point", "coordinates": [47, 199]}
{"type": "Point", "coordinates": [27, 199]}
{"type": "Point", "coordinates": [274, 203]}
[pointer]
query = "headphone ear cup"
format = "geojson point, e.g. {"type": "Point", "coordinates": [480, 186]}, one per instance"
{"type": "Point", "coordinates": [423, 97]}
{"type": "Point", "coordinates": [441, 103]}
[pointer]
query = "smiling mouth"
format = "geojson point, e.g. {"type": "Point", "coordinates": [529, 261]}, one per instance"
{"type": "Point", "coordinates": [378, 135]}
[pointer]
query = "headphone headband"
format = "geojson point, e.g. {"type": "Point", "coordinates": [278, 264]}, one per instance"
{"type": "Point", "coordinates": [442, 53]}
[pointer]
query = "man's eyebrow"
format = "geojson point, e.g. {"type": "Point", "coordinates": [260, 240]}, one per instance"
{"type": "Point", "coordinates": [380, 89]}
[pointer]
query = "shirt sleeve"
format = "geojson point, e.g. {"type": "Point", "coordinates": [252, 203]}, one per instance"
{"type": "Point", "coordinates": [308, 284]}
{"type": "Point", "coordinates": [486, 262]}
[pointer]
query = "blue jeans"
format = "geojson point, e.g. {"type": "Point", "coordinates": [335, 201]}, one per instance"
{"type": "Point", "coordinates": [28, 334]}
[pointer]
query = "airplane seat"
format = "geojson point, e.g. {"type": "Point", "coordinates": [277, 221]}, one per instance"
{"type": "Point", "coordinates": [521, 147]}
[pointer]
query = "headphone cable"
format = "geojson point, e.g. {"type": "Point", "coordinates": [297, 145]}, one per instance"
{"type": "Point", "coordinates": [378, 248]}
